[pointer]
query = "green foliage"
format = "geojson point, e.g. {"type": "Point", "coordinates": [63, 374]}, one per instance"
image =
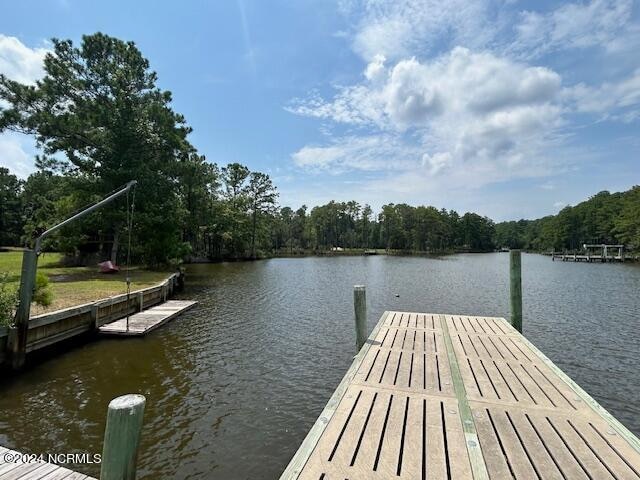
{"type": "Point", "coordinates": [8, 300]}
{"type": "Point", "coordinates": [398, 227]}
{"type": "Point", "coordinates": [42, 295]}
{"type": "Point", "coordinates": [98, 105]}
{"type": "Point", "coordinates": [10, 208]}
{"type": "Point", "coordinates": [627, 223]}
{"type": "Point", "coordinates": [604, 218]}
{"type": "Point", "coordinates": [101, 120]}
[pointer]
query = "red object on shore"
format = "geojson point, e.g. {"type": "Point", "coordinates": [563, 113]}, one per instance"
{"type": "Point", "coordinates": [108, 267]}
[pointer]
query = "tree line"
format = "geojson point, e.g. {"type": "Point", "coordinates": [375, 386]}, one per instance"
{"type": "Point", "coordinates": [401, 227]}
{"type": "Point", "coordinates": [228, 213]}
{"type": "Point", "coordinates": [100, 120]}
{"type": "Point", "coordinates": [611, 218]}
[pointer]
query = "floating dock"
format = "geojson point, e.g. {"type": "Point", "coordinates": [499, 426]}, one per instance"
{"type": "Point", "coordinates": [144, 322]}
{"type": "Point", "coordinates": [434, 396]}
{"type": "Point", "coordinates": [34, 470]}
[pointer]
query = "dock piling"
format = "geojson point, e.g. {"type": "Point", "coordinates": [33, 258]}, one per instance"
{"type": "Point", "coordinates": [515, 277]}
{"type": "Point", "coordinates": [122, 437]}
{"type": "Point", "coordinates": [18, 347]}
{"type": "Point", "coordinates": [360, 308]}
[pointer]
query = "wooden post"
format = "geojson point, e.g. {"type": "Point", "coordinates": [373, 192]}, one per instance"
{"type": "Point", "coordinates": [18, 347]}
{"type": "Point", "coordinates": [94, 316]}
{"type": "Point", "coordinates": [360, 308]}
{"type": "Point", "coordinates": [122, 438]}
{"type": "Point", "coordinates": [515, 272]}
{"type": "Point", "coordinates": [140, 301]}
{"type": "Point", "coordinates": [180, 280]}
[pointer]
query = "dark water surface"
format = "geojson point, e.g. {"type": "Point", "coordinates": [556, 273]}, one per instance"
{"type": "Point", "coordinates": [234, 385]}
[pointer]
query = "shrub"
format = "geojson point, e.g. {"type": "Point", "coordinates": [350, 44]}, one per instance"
{"type": "Point", "coordinates": [8, 300]}
{"type": "Point", "coordinates": [43, 295]}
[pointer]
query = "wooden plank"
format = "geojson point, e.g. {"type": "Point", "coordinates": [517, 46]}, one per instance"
{"type": "Point", "coordinates": [478, 466]}
{"type": "Point", "coordinates": [507, 412]}
{"type": "Point", "coordinates": [148, 320]}
{"type": "Point", "coordinates": [585, 397]}
{"type": "Point", "coordinates": [295, 466]}
{"type": "Point", "coordinates": [37, 470]}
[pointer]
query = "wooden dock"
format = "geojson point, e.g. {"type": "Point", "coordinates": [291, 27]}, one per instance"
{"type": "Point", "coordinates": [574, 257]}
{"type": "Point", "coordinates": [455, 397]}
{"type": "Point", "coordinates": [34, 470]}
{"type": "Point", "coordinates": [593, 253]}
{"type": "Point", "coordinates": [147, 320]}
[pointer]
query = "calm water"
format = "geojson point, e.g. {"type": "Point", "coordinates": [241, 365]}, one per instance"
{"type": "Point", "coordinates": [234, 385]}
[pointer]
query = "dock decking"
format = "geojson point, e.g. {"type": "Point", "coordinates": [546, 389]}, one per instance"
{"type": "Point", "coordinates": [573, 257]}
{"type": "Point", "coordinates": [456, 397]}
{"type": "Point", "coordinates": [34, 470]}
{"type": "Point", "coordinates": [147, 320]}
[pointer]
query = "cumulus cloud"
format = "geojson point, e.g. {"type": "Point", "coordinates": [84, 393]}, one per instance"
{"type": "Point", "coordinates": [473, 92]}
{"type": "Point", "coordinates": [465, 109]}
{"type": "Point", "coordinates": [19, 62]}
{"type": "Point", "coordinates": [23, 64]}
{"type": "Point", "coordinates": [13, 154]}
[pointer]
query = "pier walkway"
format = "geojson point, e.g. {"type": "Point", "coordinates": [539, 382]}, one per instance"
{"type": "Point", "coordinates": [457, 397]}
{"type": "Point", "coordinates": [34, 470]}
{"type": "Point", "coordinates": [147, 320]}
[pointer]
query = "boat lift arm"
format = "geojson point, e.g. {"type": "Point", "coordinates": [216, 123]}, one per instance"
{"type": "Point", "coordinates": [18, 333]}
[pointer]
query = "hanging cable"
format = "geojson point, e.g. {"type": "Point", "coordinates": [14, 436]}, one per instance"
{"type": "Point", "coordinates": [130, 211]}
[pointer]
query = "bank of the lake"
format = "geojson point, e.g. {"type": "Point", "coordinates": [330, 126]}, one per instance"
{"type": "Point", "coordinates": [234, 385]}
{"type": "Point", "coordinates": [73, 285]}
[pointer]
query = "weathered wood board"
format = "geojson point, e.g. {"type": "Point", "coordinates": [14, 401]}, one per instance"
{"type": "Point", "coordinates": [34, 470]}
{"type": "Point", "coordinates": [147, 320]}
{"type": "Point", "coordinates": [456, 397]}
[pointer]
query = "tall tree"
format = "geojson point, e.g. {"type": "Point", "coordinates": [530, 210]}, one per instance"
{"type": "Point", "coordinates": [262, 196]}
{"type": "Point", "coordinates": [10, 208]}
{"type": "Point", "coordinates": [99, 106]}
{"type": "Point", "coordinates": [199, 185]}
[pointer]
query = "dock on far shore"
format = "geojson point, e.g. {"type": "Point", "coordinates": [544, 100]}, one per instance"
{"type": "Point", "coordinates": [593, 253]}
{"type": "Point", "coordinates": [433, 396]}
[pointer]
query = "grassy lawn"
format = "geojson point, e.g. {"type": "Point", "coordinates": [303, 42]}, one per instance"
{"type": "Point", "coordinates": [77, 285]}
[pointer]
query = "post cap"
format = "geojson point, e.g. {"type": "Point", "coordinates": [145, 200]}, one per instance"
{"type": "Point", "coordinates": [359, 287]}
{"type": "Point", "coordinates": [128, 401]}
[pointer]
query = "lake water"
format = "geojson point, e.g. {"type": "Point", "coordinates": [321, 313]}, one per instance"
{"type": "Point", "coordinates": [234, 385]}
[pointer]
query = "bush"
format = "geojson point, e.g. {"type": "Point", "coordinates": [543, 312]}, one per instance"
{"type": "Point", "coordinates": [43, 295]}
{"type": "Point", "coordinates": [8, 300]}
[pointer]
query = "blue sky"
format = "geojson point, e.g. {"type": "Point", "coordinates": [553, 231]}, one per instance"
{"type": "Point", "coordinates": [508, 108]}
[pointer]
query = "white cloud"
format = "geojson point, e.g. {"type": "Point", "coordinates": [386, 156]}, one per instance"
{"type": "Point", "coordinates": [19, 62]}
{"type": "Point", "coordinates": [401, 28]}
{"type": "Point", "coordinates": [464, 110]}
{"type": "Point", "coordinates": [366, 153]}
{"type": "Point", "coordinates": [23, 64]}
{"type": "Point", "coordinates": [598, 23]}
{"type": "Point", "coordinates": [14, 154]}
{"type": "Point", "coordinates": [454, 84]}
{"type": "Point", "coordinates": [618, 99]}
{"type": "Point", "coordinates": [375, 70]}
